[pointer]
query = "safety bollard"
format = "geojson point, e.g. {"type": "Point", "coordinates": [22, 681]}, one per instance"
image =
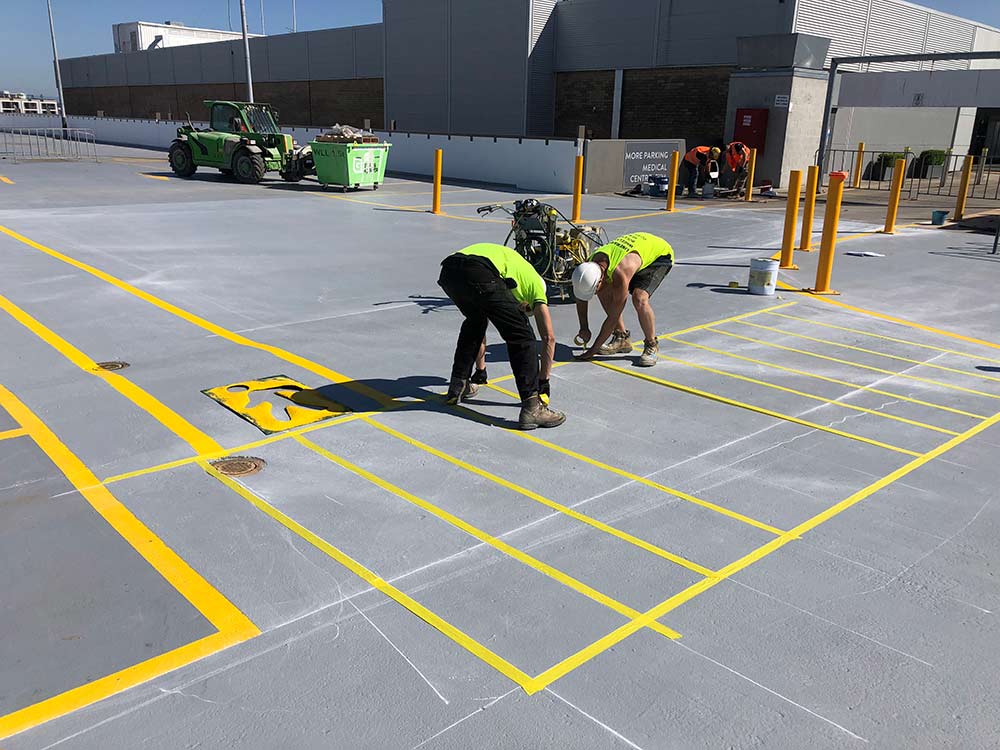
{"type": "Point", "coordinates": [859, 161]}
{"type": "Point", "coordinates": [438, 162]}
{"type": "Point", "coordinates": [675, 163]}
{"type": "Point", "coordinates": [898, 173]}
{"type": "Point", "coordinates": [809, 210]}
{"type": "Point", "coordinates": [577, 190]}
{"type": "Point", "coordinates": [791, 219]}
{"type": "Point", "coordinates": [963, 188]}
{"type": "Point", "coordinates": [750, 172]}
{"type": "Point", "coordinates": [831, 221]}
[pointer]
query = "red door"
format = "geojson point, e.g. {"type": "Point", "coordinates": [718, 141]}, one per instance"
{"type": "Point", "coordinates": [751, 128]}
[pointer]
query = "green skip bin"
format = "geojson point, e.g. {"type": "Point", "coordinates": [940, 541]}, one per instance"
{"type": "Point", "coordinates": [350, 165]}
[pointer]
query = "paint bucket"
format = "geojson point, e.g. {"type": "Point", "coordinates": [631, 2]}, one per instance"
{"type": "Point", "coordinates": [708, 190]}
{"type": "Point", "coordinates": [763, 276]}
{"type": "Point", "coordinates": [660, 185]}
{"type": "Point", "coordinates": [938, 217]}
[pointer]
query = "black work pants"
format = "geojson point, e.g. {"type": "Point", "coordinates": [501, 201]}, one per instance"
{"type": "Point", "coordinates": [481, 294]}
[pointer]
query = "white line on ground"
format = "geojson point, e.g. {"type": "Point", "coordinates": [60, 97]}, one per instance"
{"type": "Point", "coordinates": [400, 652]}
{"type": "Point", "coordinates": [466, 717]}
{"type": "Point", "coordinates": [594, 719]}
{"type": "Point", "coordinates": [320, 320]}
{"type": "Point", "coordinates": [775, 693]}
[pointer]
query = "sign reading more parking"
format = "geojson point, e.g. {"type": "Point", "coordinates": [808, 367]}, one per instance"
{"type": "Point", "coordinates": [644, 161]}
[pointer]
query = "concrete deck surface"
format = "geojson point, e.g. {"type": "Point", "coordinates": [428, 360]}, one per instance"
{"type": "Point", "coordinates": [782, 536]}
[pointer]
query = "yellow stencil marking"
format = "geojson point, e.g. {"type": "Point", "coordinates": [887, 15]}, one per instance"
{"type": "Point", "coordinates": [305, 406]}
{"type": "Point", "coordinates": [6, 180]}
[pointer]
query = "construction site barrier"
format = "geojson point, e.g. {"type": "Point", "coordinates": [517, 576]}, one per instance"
{"type": "Point", "coordinates": [23, 144]}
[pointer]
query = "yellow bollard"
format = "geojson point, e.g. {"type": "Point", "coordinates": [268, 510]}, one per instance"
{"type": "Point", "coordinates": [577, 190]}
{"type": "Point", "coordinates": [898, 172]}
{"type": "Point", "coordinates": [438, 160]}
{"type": "Point", "coordinates": [675, 163]}
{"type": "Point", "coordinates": [963, 190]}
{"type": "Point", "coordinates": [809, 210]}
{"type": "Point", "coordinates": [856, 182]}
{"type": "Point", "coordinates": [831, 221]}
{"type": "Point", "coordinates": [791, 219]}
{"type": "Point", "coordinates": [750, 171]}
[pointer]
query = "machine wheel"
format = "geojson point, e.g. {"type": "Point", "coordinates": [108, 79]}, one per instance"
{"type": "Point", "coordinates": [226, 172]}
{"type": "Point", "coordinates": [248, 167]}
{"type": "Point", "coordinates": [181, 160]}
{"type": "Point", "coordinates": [295, 172]}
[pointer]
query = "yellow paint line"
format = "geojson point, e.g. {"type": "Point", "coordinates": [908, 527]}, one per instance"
{"type": "Point", "coordinates": [920, 362]}
{"type": "Point", "coordinates": [376, 204]}
{"type": "Point", "coordinates": [812, 396]}
{"type": "Point", "coordinates": [661, 212]}
{"type": "Point", "coordinates": [198, 440]}
{"type": "Point", "coordinates": [482, 536]}
{"type": "Point", "coordinates": [825, 378]}
{"type": "Point", "coordinates": [624, 536]}
{"type": "Point", "coordinates": [871, 334]}
{"type": "Point", "coordinates": [6, 180]}
{"type": "Point", "coordinates": [233, 626]}
{"type": "Point", "coordinates": [848, 362]}
{"type": "Point", "coordinates": [727, 320]}
{"type": "Point", "coordinates": [462, 639]}
{"type": "Point", "coordinates": [586, 654]}
{"type": "Point", "coordinates": [758, 409]}
{"type": "Point", "coordinates": [154, 176]}
{"type": "Point", "coordinates": [306, 364]}
{"type": "Point", "coordinates": [8, 434]}
{"type": "Point", "coordinates": [131, 159]}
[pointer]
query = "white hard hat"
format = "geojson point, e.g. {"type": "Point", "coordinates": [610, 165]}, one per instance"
{"type": "Point", "coordinates": [586, 277]}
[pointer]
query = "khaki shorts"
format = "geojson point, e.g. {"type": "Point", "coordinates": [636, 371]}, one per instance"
{"type": "Point", "coordinates": [650, 277]}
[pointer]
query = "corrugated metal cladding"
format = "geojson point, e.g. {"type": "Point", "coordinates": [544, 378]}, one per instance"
{"type": "Point", "coordinates": [844, 24]}
{"type": "Point", "coordinates": [605, 34]}
{"type": "Point", "coordinates": [895, 29]}
{"type": "Point", "coordinates": [946, 34]}
{"type": "Point", "coordinates": [416, 64]}
{"type": "Point", "coordinates": [699, 33]}
{"type": "Point", "coordinates": [540, 119]}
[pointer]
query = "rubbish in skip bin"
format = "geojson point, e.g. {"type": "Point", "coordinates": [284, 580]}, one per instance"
{"type": "Point", "coordinates": [763, 276]}
{"type": "Point", "coordinates": [349, 158]}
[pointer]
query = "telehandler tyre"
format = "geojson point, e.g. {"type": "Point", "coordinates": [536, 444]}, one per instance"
{"type": "Point", "coordinates": [181, 160]}
{"type": "Point", "coordinates": [248, 167]}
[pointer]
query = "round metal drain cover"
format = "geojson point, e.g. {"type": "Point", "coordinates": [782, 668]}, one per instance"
{"type": "Point", "coordinates": [112, 366]}
{"type": "Point", "coordinates": [238, 466]}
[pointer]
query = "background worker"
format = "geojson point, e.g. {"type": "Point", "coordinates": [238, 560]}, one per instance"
{"type": "Point", "coordinates": [633, 264]}
{"type": "Point", "coordinates": [696, 163]}
{"type": "Point", "coordinates": [738, 161]}
{"type": "Point", "coordinates": [494, 284]}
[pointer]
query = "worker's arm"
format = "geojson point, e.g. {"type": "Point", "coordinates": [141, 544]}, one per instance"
{"type": "Point", "coordinates": [581, 313]}
{"type": "Point", "coordinates": [613, 297]}
{"type": "Point", "coordinates": [543, 321]}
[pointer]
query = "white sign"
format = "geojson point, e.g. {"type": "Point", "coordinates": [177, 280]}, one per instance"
{"type": "Point", "coordinates": [781, 101]}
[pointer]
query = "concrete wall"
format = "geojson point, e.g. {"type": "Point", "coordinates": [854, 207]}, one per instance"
{"type": "Point", "coordinates": [948, 88]}
{"type": "Point", "coordinates": [892, 129]}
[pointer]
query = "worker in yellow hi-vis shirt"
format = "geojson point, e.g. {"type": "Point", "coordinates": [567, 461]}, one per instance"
{"type": "Point", "coordinates": [494, 284]}
{"type": "Point", "coordinates": [633, 264]}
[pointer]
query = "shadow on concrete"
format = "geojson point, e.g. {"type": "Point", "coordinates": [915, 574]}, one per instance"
{"type": "Point", "coordinates": [426, 304]}
{"type": "Point", "coordinates": [965, 255]}
{"type": "Point", "coordinates": [719, 289]}
{"type": "Point", "coordinates": [987, 368]}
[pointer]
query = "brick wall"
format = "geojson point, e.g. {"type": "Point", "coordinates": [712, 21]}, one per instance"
{"type": "Point", "coordinates": [688, 103]}
{"type": "Point", "coordinates": [584, 98]}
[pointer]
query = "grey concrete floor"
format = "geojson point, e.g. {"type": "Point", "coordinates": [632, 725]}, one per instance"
{"type": "Point", "coordinates": [801, 490]}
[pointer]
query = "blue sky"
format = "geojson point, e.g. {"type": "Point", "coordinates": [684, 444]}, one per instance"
{"type": "Point", "coordinates": [84, 28]}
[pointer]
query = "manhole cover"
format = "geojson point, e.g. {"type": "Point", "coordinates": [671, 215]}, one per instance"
{"type": "Point", "coordinates": [238, 466]}
{"type": "Point", "coordinates": [112, 366]}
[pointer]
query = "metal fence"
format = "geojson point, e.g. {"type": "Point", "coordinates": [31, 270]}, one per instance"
{"type": "Point", "coordinates": [23, 144]}
{"type": "Point", "coordinates": [932, 172]}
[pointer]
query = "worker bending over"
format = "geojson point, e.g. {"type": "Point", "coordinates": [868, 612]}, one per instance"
{"type": "Point", "coordinates": [492, 283]}
{"type": "Point", "coordinates": [738, 161]}
{"type": "Point", "coordinates": [634, 263]}
{"type": "Point", "coordinates": [696, 163]}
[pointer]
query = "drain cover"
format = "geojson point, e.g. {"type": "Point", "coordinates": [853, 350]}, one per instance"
{"type": "Point", "coordinates": [112, 366]}
{"type": "Point", "coordinates": [238, 466]}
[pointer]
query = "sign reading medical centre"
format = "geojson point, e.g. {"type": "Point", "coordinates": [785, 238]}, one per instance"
{"type": "Point", "coordinates": [645, 160]}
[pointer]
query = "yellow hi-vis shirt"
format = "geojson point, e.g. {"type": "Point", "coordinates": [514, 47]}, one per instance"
{"type": "Point", "coordinates": [647, 246]}
{"type": "Point", "coordinates": [511, 265]}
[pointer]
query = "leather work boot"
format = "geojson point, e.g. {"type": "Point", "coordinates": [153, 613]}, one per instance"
{"type": "Point", "coordinates": [650, 351]}
{"type": "Point", "coordinates": [620, 343]}
{"type": "Point", "coordinates": [471, 389]}
{"type": "Point", "coordinates": [457, 390]}
{"type": "Point", "coordinates": [536, 414]}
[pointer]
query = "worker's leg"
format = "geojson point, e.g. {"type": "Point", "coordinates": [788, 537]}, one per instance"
{"type": "Point", "coordinates": [462, 280]}
{"type": "Point", "coordinates": [691, 177]}
{"type": "Point", "coordinates": [642, 287]}
{"type": "Point", "coordinates": [522, 347]}
{"type": "Point", "coordinates": [647, 320]}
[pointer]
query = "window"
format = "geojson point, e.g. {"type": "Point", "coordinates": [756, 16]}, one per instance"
{"type": "Point", "coordinates": [223, 116]}
{"type": "Point", "coordinates": [134, 38]}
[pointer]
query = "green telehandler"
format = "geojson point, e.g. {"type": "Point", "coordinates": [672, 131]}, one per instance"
{"type": "Point", "coordinates": [243, 140]}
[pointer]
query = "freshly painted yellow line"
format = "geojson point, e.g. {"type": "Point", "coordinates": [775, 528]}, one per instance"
{"type": "Point", "coordinates": [624, 536]}
{"type": "Point", "coordinates": [233, 626]}
{"type": "Point", "coordinates": [848, 362]}
{"type": "Point", "coordinates": [731, 318]}
{"type": "Point", "coordinates": [482, 536]}
{"type": "Point", "coordinates": [306, 364]}
{"type": "Point", "coordinates": [465, 641]}
{"type": "Point", "coordinates": [920, 362]}
{"type": "Point", "coordinates": [8, 434]}
{"type": "Point", "coordinates": [853, 386]}
{"type": "Point", "coordinates": [871, 334]}
{"type": "Point", "coordinates": [586, 654]}
{"type": "Point", "coordinates": [154, 176]}
{"type": "Point", "coordinates": [6, 180]}
{"type": "Point", "coordinates": [198, 440]}
{"type": "Point", "coordinates": [812, 396]}
{"type": "Point", "coordinates": [758, 409]}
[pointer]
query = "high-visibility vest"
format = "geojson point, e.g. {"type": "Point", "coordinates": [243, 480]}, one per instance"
{"type": "Point", "coordinates": [737, 155]}
{"type": "Point", "coordinates": [692, 156]}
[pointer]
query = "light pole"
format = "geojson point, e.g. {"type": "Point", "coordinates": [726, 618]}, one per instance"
{"type": "Point", "coordinates": [55, 63]}
{"type": "Point", "coordinates": [263, 31]}
{"type": "Point", "coordinates": [246, 48]}
{"type": "Point", "coordinates": [294, 24]}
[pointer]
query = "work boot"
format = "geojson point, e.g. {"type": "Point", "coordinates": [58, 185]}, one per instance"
{"type": "Point", "coordinates": [650, 350]}
{"type": "Point", "coordinates": [458, 390]}
{"type": "Point", "coordinates": [536, 414]}
{"type": "Point", "coordinates": [479, 377]}
{"type": "Point", "coordinates": [620, 343]}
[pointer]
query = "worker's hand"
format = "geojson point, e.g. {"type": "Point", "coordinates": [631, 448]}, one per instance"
{"type": "Point", "coordinates": [544, 391]}
{"type": "Point", "coordinates": [582, 337]}
{"type": "Point", "coordinates": [586, 356]}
